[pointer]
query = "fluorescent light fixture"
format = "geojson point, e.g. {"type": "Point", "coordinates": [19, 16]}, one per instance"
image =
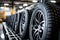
{"type": "Point", "coordinates": [1, 7]}
{"type": "Point", "coordinates": [7, 8]}
{"type": "Point", "coordinates": [20, 6]}
{"type": "Point", "coordinates": [17, 3]}
{"type": "Point", "coordinates": [34, 0]}
{"type": "Point", "coordinates": [2, 36]}
{"type": "Point", "coordinates": [53, 1]}
{"type": "Point", "coordinates": [6, 4]}
{"type": "Point", "coordinates": [25, 4]}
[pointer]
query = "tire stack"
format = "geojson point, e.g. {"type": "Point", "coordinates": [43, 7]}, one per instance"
{"type": "Point", "coordinates": [40, 23]}
{"type": "Point", "coordinates": [50, 31]}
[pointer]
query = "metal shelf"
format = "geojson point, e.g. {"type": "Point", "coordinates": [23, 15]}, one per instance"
{"type": "Point", "coordinates": [10, 34]}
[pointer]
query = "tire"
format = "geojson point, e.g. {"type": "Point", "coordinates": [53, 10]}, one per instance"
{"type": "Point", "coordinates": [43, 23]}
{"type": "Point", "coordinates": [8, 19]}
{"type": "Point", "coordinates": [24, 22]}
{"type": "Point", "coordinates": [17, 22]}
{"type": "Point", "coordinates": [57, 6]}
{"type": "Point", "coordinates": [13, 21]}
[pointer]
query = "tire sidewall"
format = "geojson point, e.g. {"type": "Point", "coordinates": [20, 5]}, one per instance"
{"type": "Point", "coordinates": [26, 23]}
{"type": "Point", "coordinates": [42, 8]}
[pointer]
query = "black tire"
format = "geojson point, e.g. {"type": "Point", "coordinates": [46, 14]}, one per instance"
{"type": "Point", "coordinates": [8, 19]}
{"type": "Point", "coordinates": [57, 6]}
{"type": "Point", "coordinates": [23, 21]}
{"type": "Point", "coordinates": [13, 22]}
{"type": "Point", "coordinates": [47, 28]}
{"type": "Point", "coordinates": [17, 22]}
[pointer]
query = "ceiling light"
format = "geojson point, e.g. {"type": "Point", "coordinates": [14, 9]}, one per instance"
{"type": "Point", "coordinates": [1, 7]}
{"type": "Point", "coordinates": [53, 1]}
{"type": "Point", "coordinates": [20, 6]}
{"type": "Point", "coordinates": [17, 3]}
{"type": "Point", "coordinates": [25, 4]}
{"type": "Point", "coordinates": [34, 0]}
{"type": "Point", "coordinates": [6, 4]}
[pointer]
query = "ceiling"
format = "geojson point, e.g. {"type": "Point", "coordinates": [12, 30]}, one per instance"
{"type": "Point", "coordinates": [26, 0]}
{"type": "Point", "coordinates": [15, 0]}
{"type": "Point", "coordinates": [20, 1]}
{"type": "Point", "coordinates": [10, 2]}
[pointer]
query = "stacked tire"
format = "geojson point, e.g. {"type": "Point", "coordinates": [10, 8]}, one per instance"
{"type": "Point", "coordinates": [43, 23]}
{"type": "Point", "coordinates": [23, 23]}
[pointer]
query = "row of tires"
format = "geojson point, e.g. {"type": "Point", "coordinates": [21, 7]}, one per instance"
{"type": "Point", "coordinates": [39, 23]}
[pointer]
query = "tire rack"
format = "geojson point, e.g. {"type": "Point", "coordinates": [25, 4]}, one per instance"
{"type": "Point", "coordinates": [2, 37]}
{"type": "Point", "coordinates": [10, 34]}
